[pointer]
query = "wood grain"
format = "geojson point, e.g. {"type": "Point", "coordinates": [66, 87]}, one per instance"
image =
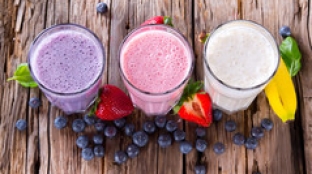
{"type": "Point", "coordinates": [44, 149]}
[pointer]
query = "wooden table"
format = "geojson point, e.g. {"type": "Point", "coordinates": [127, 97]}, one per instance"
{"type": "Point", "coordinates": [287, 149]}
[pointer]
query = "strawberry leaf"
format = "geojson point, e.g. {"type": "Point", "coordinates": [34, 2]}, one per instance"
{"type": "Point", "coordinates": [168, 21]}
{"type": "Point", "coordinates": [95, 105]}
{"type": "Point", "coordinates": [188, 93]}
{"type": "Point", "coordinates": [203, 36]}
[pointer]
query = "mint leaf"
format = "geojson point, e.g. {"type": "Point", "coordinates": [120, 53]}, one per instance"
{"type": "Point", "coordinates": [23, 77]}
{"type": "Point", "coordinates": [291, 55]}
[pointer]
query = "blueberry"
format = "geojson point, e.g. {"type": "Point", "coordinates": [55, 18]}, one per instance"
{"type": "Point", "coordinates": [101, 7]}
{"type": "Point", "coordinates": [257, 132]}
{"type": "Point", "coordinates": [164, 140]}
{"type": "Point", "coordinates": [251, 143]}
{"type": "Point", "coordinates": [60, 122]}
{"type": "Point", "coordinates": [120, 122]}
{"type": "Point", "coordinates": [98, 139]}
{"type": "Point", "coordinates": [171, 126]}
{"type": "Point", "coordinates": [218, 148]}
{"type": "Point", "coordinates": [179, 135]}
{"type": "Point", "coordinates": [82, 141]}
{"type": "Point", "coordinates": [200, 131]}
{"type": "Point", "coordinates": [230, 126]}
{"type": "Point", "coordinates": [140, 138]}
{"type": "Point", "coordinates": [284, 31]}
{"type": "Point", "coordinates": [98, 120]}
{"type": "Point", "coordinates": [21, 124]}
{"type": "Point", "coordinates": [217, 115]}
{"type": "Point", "coordinates": [200, 169]}
{"type": "Point", "coordinates": [160, 121]}
{"type": "Point", "coordinates": [267, 124]}
{"type": "Point", "coordinates": [99, 126]}
{"type": "Point", "coordinates": [132, 150]}
{"type": "Point", "coordinates": [87, 154]}
{"type": "Point", "coordinates": [98, 151]}
{"type": "Point", "coordinates": [129, 129]}
{"type": "Point", "coordinates": [110, 131]}
{"type": "Point", "coordinates": [89, 119]}
{"type": "Point", "coordinates": [34, 102]}
{"type": "Point", "coordinates": [239, 139]}
{"type": "Point", "coordinates": [120, 157]}
{"type": "Point", "coordinates": [201, 145]}
{"type": "Point", "coordinates": [185, 147]}
{"type": "Point", "coordinates": [78, 125]}
{"type": "Point", "coordinates": [149, 127]}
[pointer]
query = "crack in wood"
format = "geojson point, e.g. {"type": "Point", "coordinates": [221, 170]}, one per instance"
{"type": "Point", "coordinates": [308, 26]}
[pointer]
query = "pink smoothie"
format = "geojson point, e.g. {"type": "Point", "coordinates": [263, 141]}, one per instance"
{"type": "Point", "coordinates": [68, 62]}
{"type": "Point", "coordinates": [155, 61]}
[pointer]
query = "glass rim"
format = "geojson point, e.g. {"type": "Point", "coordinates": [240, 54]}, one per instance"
{"type": "Point", "coordinates": [96, 39]}
{"type": "Point", "coordinates": [239, 88]}
{"type": "Point", "coordinates": [187, 77]}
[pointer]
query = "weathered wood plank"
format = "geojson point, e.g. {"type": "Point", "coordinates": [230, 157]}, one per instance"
{"type": "Point", "coordinates": [207, 16]}
{"type": "Point", "coordinates": [262, 159]}
{"type": "Point", "coordinates": [14, 106]}
{"type": "Point", "coordinates": [303, 30]}
{"type": "Point", "coordinates": [147, 160]}
{"type": "Point", "coordinates": [307, 128]}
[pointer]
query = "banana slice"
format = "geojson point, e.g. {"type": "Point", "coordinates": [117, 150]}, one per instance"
{"type": "Point", "coordinates": [281, 94]}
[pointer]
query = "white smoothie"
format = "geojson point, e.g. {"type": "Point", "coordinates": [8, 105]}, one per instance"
{"type": "Point", "coordinates": [242, 57]}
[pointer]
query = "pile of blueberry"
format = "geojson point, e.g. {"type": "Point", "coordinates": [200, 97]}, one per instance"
{"type": "Point", "coordinates": [238, 138]}
{"type": "Point", "coordinates": [94, 147]}
{"type": "Point", "coordinates": [139, 138]}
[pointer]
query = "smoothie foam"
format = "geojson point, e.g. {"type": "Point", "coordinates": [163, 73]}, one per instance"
{"type": "Point", "coordinates": [241, 57]}
{"type": "Point", "coordinates": [67, 62]}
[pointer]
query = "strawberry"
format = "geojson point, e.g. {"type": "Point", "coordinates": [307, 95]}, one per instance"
{"type": "Point", "coordinates": [112, 103]}
{"type": "Point", "coordinates": [195, 105]}
{"type": "Point", "coordinates": [158, 20]}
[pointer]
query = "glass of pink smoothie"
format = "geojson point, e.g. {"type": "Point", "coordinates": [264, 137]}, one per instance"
{"type": "Point", "coordinates": [156, 62]}
{"type": "Point", "coordinates": [67, 61]}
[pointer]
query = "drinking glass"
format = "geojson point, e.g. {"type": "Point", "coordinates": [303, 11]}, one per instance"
{"type": "Point", "coordinates": [226, 96]}
{"type": "Point", "coordinates": [155, 103]}
{"type": "Point", "coordinates": [67, 100]}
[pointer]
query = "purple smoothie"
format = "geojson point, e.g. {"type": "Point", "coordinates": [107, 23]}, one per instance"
{"type": "Point", "coordinates": [67, 64]}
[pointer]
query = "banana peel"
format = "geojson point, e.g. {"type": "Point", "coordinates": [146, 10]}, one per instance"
{"type": "Point", "coordinates": [281, 94]}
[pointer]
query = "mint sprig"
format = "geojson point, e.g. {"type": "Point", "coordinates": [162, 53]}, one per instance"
{"type": "Point", "coordinates": [188, 92]}
{"type": "Point", "coordinates": [291, 55]}
{"type": "Point", "coordinates": [23, 77]}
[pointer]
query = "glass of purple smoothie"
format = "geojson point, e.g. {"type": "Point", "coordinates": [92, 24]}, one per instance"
{"type": "Point", "coordinates": [67, 61]}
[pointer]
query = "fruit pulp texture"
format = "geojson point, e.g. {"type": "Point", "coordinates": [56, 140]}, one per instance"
{"type": "Point", "coordinates": [242, 55]}
{"type": "Point", "coordinates": [155, 61]}
{"type": "Point", "coordinates": [68, 62]}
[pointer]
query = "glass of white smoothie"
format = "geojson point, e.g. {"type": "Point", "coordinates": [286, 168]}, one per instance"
{"type": "Point", "coordinates": [240, 58]}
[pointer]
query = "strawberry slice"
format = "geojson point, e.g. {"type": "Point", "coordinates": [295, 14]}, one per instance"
{"type": "Point", "coordinates": [158, 20]}
{"type": "Point", "coordinates": [112, 103]}
{"type": "Point", "coordinates": [195, 105]}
